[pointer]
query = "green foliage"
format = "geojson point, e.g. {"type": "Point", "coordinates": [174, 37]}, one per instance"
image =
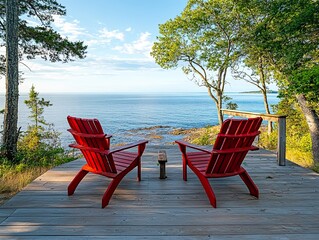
{"type": "Point", "coordinates": [285, 32]}
{"type": "Point", "coordinates": [296, 123]}
{"type": "Point", "coordinates": [289, 35]}
{"type": "Point", "coordinates": [315, 167]}
{"type": "Point", "coordinates": [203, 139]}
{"type": "Point", "coordinates": [207, 136]}
{"type": "Point", "coordinates": [231, 105]}
{"type": "Point", "coordinates": [36, 106]}
{"type": "Point", "coordinates": [13, 177]}
{"type": "Point", "coordinates": [44, 155]}
{"type": "Point", "coordinates": [306, 81]}
{"type": "Point", "coordinates": [202, 40]}
{"type": "Point", "coordinates": [37, 38]}
{"type": "Point", "coordinates": [267, 141]}
{"type": "Point", "coordinates": [202, 36]}
{"type": "Point", "coordinates": [39, 149]}
{"type": "Point", "coordinates": [40, 144]}
{"type": "Point", "coordinates": [228, 103]}
{"type": "Point", "coordinates": [298, 140]}
{"type": "Point", "coordinates": [300, 157]}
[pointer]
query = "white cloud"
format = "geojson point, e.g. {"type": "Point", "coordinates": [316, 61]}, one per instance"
{"type": "Point", "coordinates": [109, 35]}
{"type": "Point", "coordinates": [105, 36]}
{"type": "Point", "coordinates": [70, 29]}
{"type": "Point", "coordinates": [32, 22]}
{"type": "Point", "coordinates": [142, 45]}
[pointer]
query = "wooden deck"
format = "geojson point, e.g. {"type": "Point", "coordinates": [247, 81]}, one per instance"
{"type": "Point", "coordinates": [288, 207]}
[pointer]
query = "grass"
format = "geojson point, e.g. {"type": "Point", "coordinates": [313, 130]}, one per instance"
{"type": "Point", "coordinates": [15, 178]}
{"type": "Point", "coordinates": [298, 148]}
{"type": "Point", "coordinates": [301, 158]}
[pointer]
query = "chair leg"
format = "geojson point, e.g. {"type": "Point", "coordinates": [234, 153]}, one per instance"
{"type": "Point", "coordinates": [76, 180]}
{"type": "Point", "coordinates": [250, 184]}
{"type": "Point", "coordinates": [184, 169]}
{"type": "Point", "coordinates": [139, 167]}
{"type": "Point", "coordinates": [209, 190]}
{"type": "Point", "coordinates": [110, 190]}
{"type": "Point", "coordinates": [184, 160]}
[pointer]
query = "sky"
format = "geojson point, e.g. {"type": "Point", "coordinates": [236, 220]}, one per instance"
{"type": "Point", "coordinates": [119, 35]}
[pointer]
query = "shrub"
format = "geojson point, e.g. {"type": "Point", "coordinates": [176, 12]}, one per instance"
{"type": "Point", "coordinates": [206, 136]}
{"type": "Point", "coordinates": [39, 149]}
{"type": "Point", "coordinates": [298, 140]}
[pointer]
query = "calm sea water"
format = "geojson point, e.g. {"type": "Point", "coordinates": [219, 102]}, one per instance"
{"type": "Point", "coordinates": [130, 117]}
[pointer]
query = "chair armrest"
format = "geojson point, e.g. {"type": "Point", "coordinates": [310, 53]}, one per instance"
{"type": "Point", "coordinates": [74, 145]}
{"type": "Point", "coordinates": [78, 146]}
{"type": "Point", "coordinates": [235, 150]}
{"type": "Point", "coordinates": [193, 146]}
{"type": "Point", "coordinates": [140, 144]}
{"type": "Point", "coordinates": [253, 134]}
{"type": "Point", "coordinates": [121, 148]}
{"type": "Point", "coordinates": [254, 148]}
{"type": "Point", "coordinates": [89, 135]}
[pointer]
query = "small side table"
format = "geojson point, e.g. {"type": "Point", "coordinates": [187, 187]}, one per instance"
{"type": "Point", "coordinates": [162, 159]}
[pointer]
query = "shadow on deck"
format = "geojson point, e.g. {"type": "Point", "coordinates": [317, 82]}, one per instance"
{"type": "Point", "coordinates": [288, 207]}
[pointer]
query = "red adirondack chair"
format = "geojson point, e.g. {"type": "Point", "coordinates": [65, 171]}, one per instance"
{"type": "Point", "coordinates": [233, 142]}
{"type": "Point", "coordinates": [95, 147]}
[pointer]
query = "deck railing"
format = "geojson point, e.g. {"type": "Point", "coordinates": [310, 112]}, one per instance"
{"type": "Point", "coordinates": [280, 119]}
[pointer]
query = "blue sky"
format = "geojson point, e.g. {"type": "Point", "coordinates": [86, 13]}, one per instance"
{"type": "Point", "coordinates": [119, 35]}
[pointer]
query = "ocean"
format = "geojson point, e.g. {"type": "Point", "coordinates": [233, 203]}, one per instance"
{"type": "Point", "coordinates": [133, 116]}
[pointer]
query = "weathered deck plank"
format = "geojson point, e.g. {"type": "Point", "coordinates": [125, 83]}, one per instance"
{"type": "Point", "coordinates": [288, 207]}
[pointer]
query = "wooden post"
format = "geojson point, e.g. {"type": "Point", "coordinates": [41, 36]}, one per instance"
{"type": "Point", "coordinates": [162, 159]}
{"type": "Point", "coordinates": [281, 155]}
{"type": "Point", "coordinates": [281, 145]}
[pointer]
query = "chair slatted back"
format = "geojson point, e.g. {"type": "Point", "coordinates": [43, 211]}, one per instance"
{"type": "Point", "coordinates": [233, 142]}
{"type": "Point", "coordinates": [89, 126]}
{"type": "Point", "coordinates": [89, 133]}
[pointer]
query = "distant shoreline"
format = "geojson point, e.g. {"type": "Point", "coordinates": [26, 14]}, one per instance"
{"type": "Point", "coordinates": [23, 94]}
{"type": "Point", "coordinates": [257, 92]}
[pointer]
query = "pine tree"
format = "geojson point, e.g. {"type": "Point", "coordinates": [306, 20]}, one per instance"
{"type": "Point", "coordinates": [40, 130]}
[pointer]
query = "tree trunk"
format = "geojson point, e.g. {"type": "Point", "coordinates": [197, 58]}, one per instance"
{"type": "Point", "coordinates": [313, 124]}
{"type": "Point", "coordinates": [10, 133]}
{"type": "Point", "coordinates": [218, 103]}
{"type": "Point", "coordinates": [263, 88]}
{"type": "Point", "coordinates": [219, 108]}
{"type": "Point", "coordinates": [266, 104]}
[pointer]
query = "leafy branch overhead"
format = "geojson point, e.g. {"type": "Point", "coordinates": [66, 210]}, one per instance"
{"type": "Point", "coordinates": [40, 39]}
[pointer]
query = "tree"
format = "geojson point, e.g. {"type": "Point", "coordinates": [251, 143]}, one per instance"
{"type": "Point", "coordinates": [37, 131]}
{"type": "Point", "coordinates": [258, 74]}
{"type": "Point", "coordinates": [254, 65]}
{"type": "Point", "coordinates": [203, 41]}
{"type": "Point", "coordinates": [288, 35]}
{"type": "Point", "coordinates": [36, 106]}
{"type": "Point", "coordinates": [255, 70]}
{"type": "Point", "coordinates": [40, 144]}
{"type": "Point", "coordinates": [33, 41]}
{"type": "Point", "coordinates": [10, 133]}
